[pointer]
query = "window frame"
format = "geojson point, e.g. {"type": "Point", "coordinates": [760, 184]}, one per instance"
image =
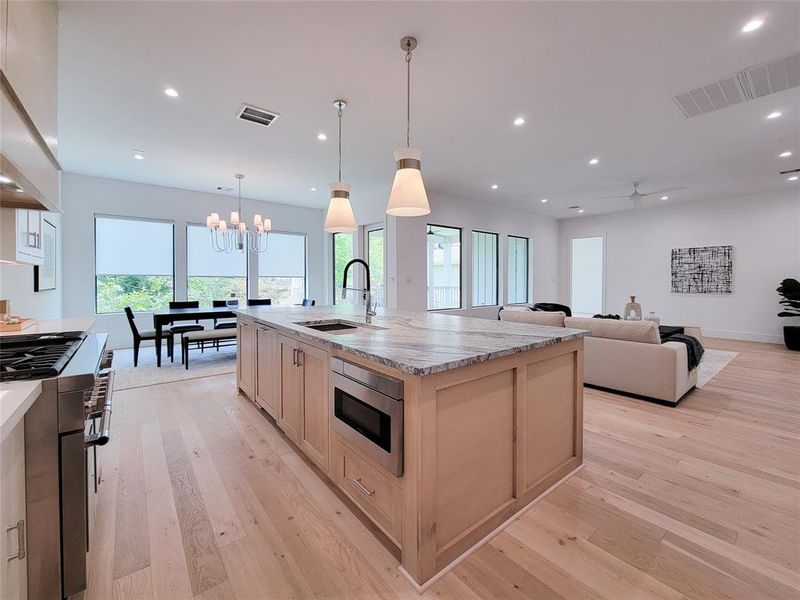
{"type": "Point", "coordinates": [186, 257]}
{"type": "Point", "coordinates": [258, 262]}
{"type": "Point", "coordinates": [604, 263]}
{"type": "Point", "coordinates": [366, 230]}
{"type": "Point", "coordinates": [527, 269]}
{"type": "Point", "coordinates": [94, 251]}
{"type": "Point", "coordinates": [496, 268]}
{"type": "Point", "coordinates": [460, 267]}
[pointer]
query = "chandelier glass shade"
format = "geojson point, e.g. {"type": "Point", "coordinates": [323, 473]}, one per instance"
{"type": "Point", "coordinates": [340, 217]}
{"type": "Point", "coordinates": [234, 234]}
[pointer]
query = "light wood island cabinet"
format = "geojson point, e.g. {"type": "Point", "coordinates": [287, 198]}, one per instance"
{"type": "Point", "coordinates": [482, 439]}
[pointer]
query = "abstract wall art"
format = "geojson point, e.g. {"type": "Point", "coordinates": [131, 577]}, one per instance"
{"type": "Point", "coordinates": [704, 270]}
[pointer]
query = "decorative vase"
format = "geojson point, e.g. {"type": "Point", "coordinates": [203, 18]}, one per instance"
{"type": "Point", "coordinates": [653, 316]}
{"type": "Point", "coordinates": [791, 336]}
{"type": "Point", "coordinates": [633, 310]}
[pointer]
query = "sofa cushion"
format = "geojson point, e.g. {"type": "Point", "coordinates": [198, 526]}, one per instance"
{"type": "Point", "coordinates": [630, 331]}
{"type": "Point", "coordinates": [535, 317]}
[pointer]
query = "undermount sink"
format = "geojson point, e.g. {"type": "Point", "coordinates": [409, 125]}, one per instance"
{"type": "Point", "coordinates": [335, 326]}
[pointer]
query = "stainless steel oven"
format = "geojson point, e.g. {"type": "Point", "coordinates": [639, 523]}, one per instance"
{"type": "Point", "coordinates": [367, 411]}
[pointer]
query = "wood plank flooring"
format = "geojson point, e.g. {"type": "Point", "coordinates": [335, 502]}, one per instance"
{"type": "Point", "coordinates": [203, 497]}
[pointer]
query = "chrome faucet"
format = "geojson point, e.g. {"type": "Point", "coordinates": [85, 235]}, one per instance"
{"type": "Point", "coordinates": [367, 293]}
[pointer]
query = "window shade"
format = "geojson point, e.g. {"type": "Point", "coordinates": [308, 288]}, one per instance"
{"type": "Point", "coordinates": [203, 261]}
{"type": "Point", "coordinates": [285, 256]}
{"type": "Point", "coordinates": [133, 247]}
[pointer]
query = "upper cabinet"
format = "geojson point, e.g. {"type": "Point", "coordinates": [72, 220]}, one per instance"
{"type": "Point", "coordinates": [29, 104]}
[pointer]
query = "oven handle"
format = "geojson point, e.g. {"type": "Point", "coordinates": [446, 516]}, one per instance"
{"type": "Point", "coordinates": [104, 388]}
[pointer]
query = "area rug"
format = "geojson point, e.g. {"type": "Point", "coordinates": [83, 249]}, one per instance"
{"type": "Point", "coordinates": [205, 364]}
{"type": "Point", "coordinates": [712, 363]}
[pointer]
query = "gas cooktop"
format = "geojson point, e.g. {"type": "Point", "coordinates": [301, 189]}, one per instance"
{"type": "Point", "coordinates": [38, 355]}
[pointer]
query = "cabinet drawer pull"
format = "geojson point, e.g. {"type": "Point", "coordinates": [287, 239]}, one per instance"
{"type": "Point", "coordinates": [362, 487]}
{"type": "Point", "coordinates": [20, 527]}
{"type": "Point", "coordinates": [300, 355]}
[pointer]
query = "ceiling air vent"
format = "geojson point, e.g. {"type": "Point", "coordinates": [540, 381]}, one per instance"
{"type": "Point", "coordinates": [773, 76]}
{"type": "Point", "coordinates": [254, 114]}
{"type": "Point", "coordinates": [748, 84]}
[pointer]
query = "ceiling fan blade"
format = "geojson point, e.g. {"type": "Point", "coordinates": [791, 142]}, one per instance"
{"type": "Point", "coordinates": [612, 197]}
{"type": "Point", "coordinates": [683, 187]}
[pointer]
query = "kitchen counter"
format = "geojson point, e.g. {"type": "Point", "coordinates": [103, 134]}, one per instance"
{"type": "Point", "coordinates": [417, 343]}
{"type": "Point", "coordinates": [55, 326]}
{"type": "Point", "coordinates": [16, 397]}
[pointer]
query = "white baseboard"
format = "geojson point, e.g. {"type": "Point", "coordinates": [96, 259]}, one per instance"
{"type": "Point", "coordinates": [746, 336]}
{"type": "Point", "coordinates": [421, 589]}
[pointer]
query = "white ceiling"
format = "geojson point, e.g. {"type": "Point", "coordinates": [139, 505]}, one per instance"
{"type": "Point", "coordinates": [591, 78]}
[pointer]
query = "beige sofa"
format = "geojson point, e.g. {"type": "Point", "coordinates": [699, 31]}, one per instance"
{"type": "Point", "coordinates": [627, 356]}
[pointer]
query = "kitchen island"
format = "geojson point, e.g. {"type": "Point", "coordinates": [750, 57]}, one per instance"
{"type": "Point", "coordinates": [490, 418]}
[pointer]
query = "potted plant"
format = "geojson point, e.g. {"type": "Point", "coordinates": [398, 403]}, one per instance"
{"type": "Point", "coordinates": [789, 290]}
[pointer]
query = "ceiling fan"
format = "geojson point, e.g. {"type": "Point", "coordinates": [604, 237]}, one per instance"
{"type": "Point", "coordinates": [637, 196]}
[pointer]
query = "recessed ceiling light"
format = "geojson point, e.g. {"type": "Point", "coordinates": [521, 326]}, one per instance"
{"type": "Point", "coordinates": [138, 154]}
{"type": "Point", "coordinates": [171, 92]}
{"type": "Point", "coordinates": [786, 154]}
{"type": "Point", "coordinates": [519, 121]}
{"type": "Point", "coordinates": [580, 210]}
{"type": "Point", "coordinates": [792, 178]}
{"type": "Point", "coordinates": [4, 179]}
{"type": "Point", "coordinates": [752, 25]}
{"type": "Point", "coordinates": [665, 197]}
{"type": "Point", "coordinates": [543, 200]}
{"type": "Point", "coordinates": [322, 137]}
{"type": "Point", "coordinates": [313, 189]}
{"type": "Point", "coordinates": [495, 186]}
{"type": "Point", "coordinates": [774, 114]}
{"type": "Point", "coordinates": [594, 161]}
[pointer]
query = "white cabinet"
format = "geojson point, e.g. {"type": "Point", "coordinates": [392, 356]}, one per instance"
{"type": "Point", "coordinates": [13, 561]}
{"type": "Point", "coordinates": [21, 236]}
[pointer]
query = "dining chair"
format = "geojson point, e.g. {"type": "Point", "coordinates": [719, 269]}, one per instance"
{"type": "Point", "coordinates": [181, 329]}
{"type": "Point", "coordinates": [138, 336]}
{"type": "Point", "coordinates": [259, 302]}
{"type": "Point", "coordinates": [224, 323]}
{"type": "Point", "coordinates": [309, 302]}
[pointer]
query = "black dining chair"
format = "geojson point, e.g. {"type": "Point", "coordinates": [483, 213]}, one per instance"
{"type": "Point", "coordinates": [181, 329]}
{"type": "Point", "coordinates": [308, 302]}
{"type": "Point", "coordinates": [259, 302]}
{"type": "Point", "coordinates": [224, 323]}
{"type": "Point", "coordinates": [138, 336]}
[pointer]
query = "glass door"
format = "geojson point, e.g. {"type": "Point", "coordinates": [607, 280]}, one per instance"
{"type": "Point", "coordinates": [374, 242]}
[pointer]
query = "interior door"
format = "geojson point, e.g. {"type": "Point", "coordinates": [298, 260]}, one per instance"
{"type": "Point", "coordinates": [315, 404]}
{"type": "Point", "coordinates": [268, 370]}
{"type": "Point", "coordinates": [291, 404]}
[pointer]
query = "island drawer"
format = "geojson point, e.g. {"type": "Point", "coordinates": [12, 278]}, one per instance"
{"type": "Point", "coordinates": [376, 493]}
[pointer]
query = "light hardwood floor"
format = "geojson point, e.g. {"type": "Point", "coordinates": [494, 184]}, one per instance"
{"type": "Point", "coordinates": [203, 497]}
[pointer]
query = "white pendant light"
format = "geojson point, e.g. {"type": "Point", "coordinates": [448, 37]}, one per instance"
{"type": "Point", "coordinates": [340, 217]}
{"type": "Point", "coordinates": [408, 197]}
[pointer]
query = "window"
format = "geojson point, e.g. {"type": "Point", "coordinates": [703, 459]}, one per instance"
{"type": "Point", "coordinates": [518, 257]}
{"type": "Point", "coordinates": [484, 268]}
{"type": "Point", "coordinates": [444, 267]}
{"type": "Point", "coordinates": [282, 268]}
{"type": "Point", "coordinates": [134, 264]}
{"type": "Point", "coordinates": [343, 252]}
{"type": "Point", "coordinates": [586, 275]}
{"type": "Point", "coordinates": [212, 275]}
{"type": "Point", "coordinates": [374, 242]}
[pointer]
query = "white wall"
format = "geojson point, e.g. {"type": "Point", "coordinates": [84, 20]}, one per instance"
{"type": "Point", "coordinates": [16, 282]}
{"type": "Point", "coordinates": [407, 243]}
{"type": "Point", "coordinates": [764, 230]}
{"type": "Point", "coordinates": [82, 197]}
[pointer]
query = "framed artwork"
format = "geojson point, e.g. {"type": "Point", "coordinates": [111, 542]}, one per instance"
{"type": "Point", "coordinates": [704, 270]}
{"type": "Point", "coordinates": [44, 277]}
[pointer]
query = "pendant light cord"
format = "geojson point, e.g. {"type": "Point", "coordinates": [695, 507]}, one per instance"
{"type": "Point", "coordinates": [340, 145]}
{"type": "Point", "coordinates": [408, 95]}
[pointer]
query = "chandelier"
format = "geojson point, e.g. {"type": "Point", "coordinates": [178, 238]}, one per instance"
{"type": "Point", "coordinates": [227, 236]}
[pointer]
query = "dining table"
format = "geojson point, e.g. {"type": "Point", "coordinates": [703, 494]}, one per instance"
{"type": "Point", "coordinates": [170, 315]}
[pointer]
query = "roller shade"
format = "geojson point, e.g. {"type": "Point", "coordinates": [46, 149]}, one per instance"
{"type": "Point", "coordinates": [285, 256]}
{"type": "Point", "coordinates": [203, 261]}
{"type": "Point", "coordinates": [133, 247]}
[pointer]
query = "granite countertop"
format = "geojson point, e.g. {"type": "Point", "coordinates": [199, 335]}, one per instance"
{"type": "Point", "coordinates": [16, 397]}
{"type": "Point", "coordinates": [418, 343]}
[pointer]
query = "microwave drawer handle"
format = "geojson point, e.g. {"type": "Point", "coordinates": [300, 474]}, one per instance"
{"type": "Point", "coordinates": [103, 434]}
{"type": "Point", "coordinates": [357, 482]}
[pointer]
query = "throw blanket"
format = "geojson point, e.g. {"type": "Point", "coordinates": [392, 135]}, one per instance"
{"type": "Point", "coordinates": [694, 349]}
